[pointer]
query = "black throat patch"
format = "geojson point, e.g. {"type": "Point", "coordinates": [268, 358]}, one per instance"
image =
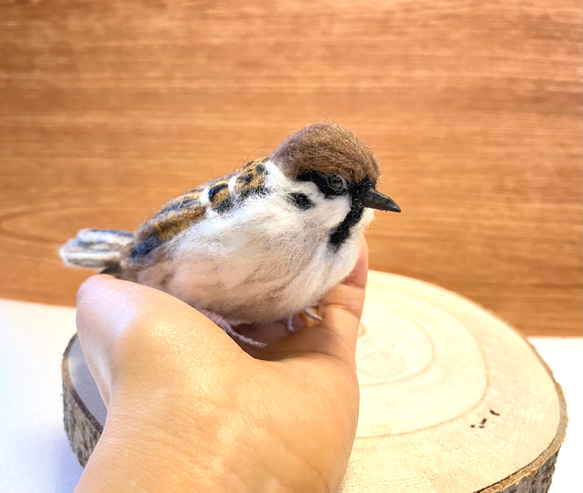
{"type": "Point", "coordinates": [341, 232]}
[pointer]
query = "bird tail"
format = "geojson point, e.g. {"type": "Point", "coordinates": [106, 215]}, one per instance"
{"type": "Point", "coordinates": [96, 249]}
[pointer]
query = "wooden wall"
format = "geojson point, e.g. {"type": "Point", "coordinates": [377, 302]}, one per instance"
{"type": "Point", "coordinates": [108, 109]}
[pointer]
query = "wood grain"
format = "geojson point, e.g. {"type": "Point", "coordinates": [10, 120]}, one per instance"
{"type": "Point", "coordinates": [473, 108]}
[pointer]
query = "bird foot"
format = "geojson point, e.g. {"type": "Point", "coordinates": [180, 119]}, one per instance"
{"type": "Point", "coordinates": [228, 328]}
{"type": "Point", "coordinates": [290, 326]}
{"type": "Point", "coordinates": [309, 313]}
{"type": "Point", "coordinates": [312, 315]}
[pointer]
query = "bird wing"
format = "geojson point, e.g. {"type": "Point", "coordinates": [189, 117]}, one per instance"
{"type": "Point", "coordinates": [191, 207]}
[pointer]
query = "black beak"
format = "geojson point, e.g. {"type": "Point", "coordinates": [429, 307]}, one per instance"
{"type": "Point", "coordinates": [376, 200]}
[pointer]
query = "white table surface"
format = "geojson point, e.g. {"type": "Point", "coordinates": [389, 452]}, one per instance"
{"type": "Point", "coordinates": [34, 451]}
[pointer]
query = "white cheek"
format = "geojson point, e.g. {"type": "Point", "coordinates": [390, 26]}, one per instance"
{"type": "Point", "coordinates": [329, 212]}
{"type": "Point", "coordinates": [326, 214]}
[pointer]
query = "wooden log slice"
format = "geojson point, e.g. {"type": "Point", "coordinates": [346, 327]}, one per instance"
{"type": "Point", "coordinates": [452, 398]}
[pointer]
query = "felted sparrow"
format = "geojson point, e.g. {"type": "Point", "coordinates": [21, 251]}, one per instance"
{"type": "Point", "coordinates": [261, 244]}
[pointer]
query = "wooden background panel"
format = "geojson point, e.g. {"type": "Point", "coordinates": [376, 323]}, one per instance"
{"type": "Point", "coordinates": [473, 108]}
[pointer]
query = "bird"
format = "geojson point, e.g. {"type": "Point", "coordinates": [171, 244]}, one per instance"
{"type": "Point", "coordinates": [261, 244]}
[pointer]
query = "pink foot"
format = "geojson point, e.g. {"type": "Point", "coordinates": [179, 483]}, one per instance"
{"type": "Point", "coordinates": [228, 328]}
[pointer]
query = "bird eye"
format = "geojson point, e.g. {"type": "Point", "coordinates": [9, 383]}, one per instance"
{"type": "Point", "coordinates": [337, 183]}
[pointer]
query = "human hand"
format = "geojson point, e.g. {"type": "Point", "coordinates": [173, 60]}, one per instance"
{"type": "Point", "coordinates": [189, 410]}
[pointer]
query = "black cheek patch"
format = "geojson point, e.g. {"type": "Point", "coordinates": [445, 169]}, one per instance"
{"type": "Point", "coordinates": [145, 247]}
{"type": "Point", "coordinates": [301, 201]}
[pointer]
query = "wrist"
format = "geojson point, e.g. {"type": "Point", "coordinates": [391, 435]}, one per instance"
{"type": "Point", "coordinates": [161, 448]}
{"type": "Point", "coordinates": [149, 449]}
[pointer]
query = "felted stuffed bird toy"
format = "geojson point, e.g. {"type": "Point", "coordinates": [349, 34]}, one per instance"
{"type": "Point", "coordinates": [261, 244]}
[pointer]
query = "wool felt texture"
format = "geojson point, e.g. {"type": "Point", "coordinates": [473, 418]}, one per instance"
{"type": "Point", "coordinates": [260, 244]}
{"type": "Point", "coordinates": [329, 149]}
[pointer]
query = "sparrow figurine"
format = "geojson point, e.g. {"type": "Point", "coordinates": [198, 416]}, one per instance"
{"type": "Point", "coordinates": [261, 244]}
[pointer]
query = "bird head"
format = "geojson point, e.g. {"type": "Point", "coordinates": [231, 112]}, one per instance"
{"type": "Point", "coordinates": [338, 171]}
{"type": "Point", "coordinates": [337, 161]}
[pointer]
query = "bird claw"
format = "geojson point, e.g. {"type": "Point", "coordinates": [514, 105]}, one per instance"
{"type": "Point", "coordinates": [306, 311]}
{"type": "Point", "coordinates": [228, 328]}
{"type": "Point", "coordinates": [312, 315]}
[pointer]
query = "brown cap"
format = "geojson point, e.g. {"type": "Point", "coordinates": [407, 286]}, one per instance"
{"type": "Point", "coordinates": [326, 148]}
